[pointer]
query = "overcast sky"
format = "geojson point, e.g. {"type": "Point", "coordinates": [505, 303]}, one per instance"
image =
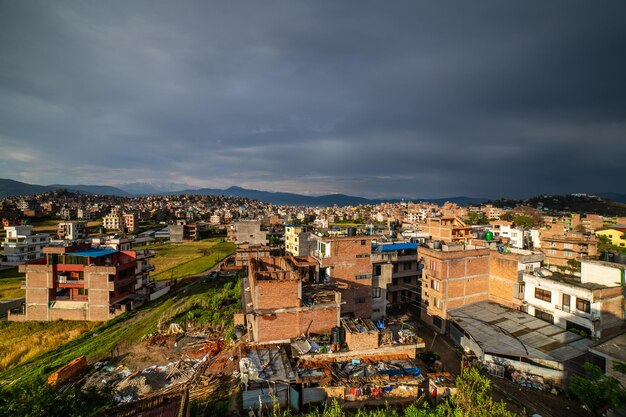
{"type": "Point", "coordinates": [370, 98]}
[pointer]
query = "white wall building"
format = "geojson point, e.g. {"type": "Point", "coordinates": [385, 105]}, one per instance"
{"type": "Point", "coordinates": [21, 245]}
{"type": "Point", "coordinates": [573, 303]}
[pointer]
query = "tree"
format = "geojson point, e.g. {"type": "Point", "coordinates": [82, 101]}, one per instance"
{"type": "Point", "coordinates": [597, 391]}
{"type": "Point", "coordinates": [524, 221]}
{"type": "Point", "coordinates": [580, 228]}
{"type": "Point", "coordinates": [476, 217]}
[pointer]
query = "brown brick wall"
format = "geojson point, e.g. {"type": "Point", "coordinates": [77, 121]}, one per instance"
{"type": "Point", "coordinates": [344, 266]}
{"type": "Point", "coordinates": [361, 341]}
{"type": "Point", "coordinates": [275, 294]}
{"type": "Point", "coordinates": [287, 325]}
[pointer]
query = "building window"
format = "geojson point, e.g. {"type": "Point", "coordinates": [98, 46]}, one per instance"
{"type": "Point", "coordinates": [543, 295]}
{"type": "Point", "coordinates": [377, 270]}
{"type": "Point", "coordinates": [363, 242]}
{"type": "Point", "coordinates": [360, 300]}
{"type": "Point", "coordinates": [583, 305]}
{"type": "Point", "coordinates": [407, 280]}
{"type": "Point", "coordinates": [552, 244]}
{"type": "Point", "coordinates": [363, 276]}
{"type": "Point", "coordinates": [432, 265]}
{"type": "Point", "coordinates": [363, 255]}
{"type": "Point", "coordinates": [543, 315]}
{"type": "Point", "coordinates": [568, 253]}
{"type": "Point", "coordinates": [435, 285]}
{"type": "Point", "coordinates": [376, 292]}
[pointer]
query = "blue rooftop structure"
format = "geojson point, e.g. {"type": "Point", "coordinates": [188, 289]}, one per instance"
{"type": "Point", "coordinates": [391, 247]}
{"type": "Point", "coordinates": [94, 252]}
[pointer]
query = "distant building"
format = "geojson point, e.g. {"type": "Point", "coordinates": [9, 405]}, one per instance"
{"type": "Point", "coordinates": [68, 213]}
{"type": "Point", "coordinates": [560, 248]}
{"type": "Point", "coordinates": [447, 229]}
{"type": "Point", "coordinates": [298, 241]}
{"type": "Point", "coordinates": [247, 232]}
{"type": "Point", "coordinates": [20, 244]}
{"type": "Point", "coordinates": [616, 234]}
{"type": "Point", "coordinates": [75, 230]}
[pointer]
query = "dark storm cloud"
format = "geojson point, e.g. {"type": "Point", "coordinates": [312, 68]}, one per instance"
{"type": "Point", "coordinates": [368, 98]}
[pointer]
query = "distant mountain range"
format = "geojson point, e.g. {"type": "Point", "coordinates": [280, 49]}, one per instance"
{"type": "Point", "coordinates": [15, 188]}
{"type": "Point", "coordinates": [11, 188]}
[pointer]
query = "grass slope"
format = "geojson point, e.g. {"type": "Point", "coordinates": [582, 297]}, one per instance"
{"type": "Point", "coordinates": [10, 283]}
{"type": "Point", "coordinates": [31, 351]}
{"type": "Point", "coordinates": [175, 260]}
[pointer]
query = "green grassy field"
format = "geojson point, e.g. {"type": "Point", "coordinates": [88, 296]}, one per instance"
{"type": "Point", "coordinates": [30, 351]}
{"type": "Point", "coordinates": [175, 260]}
{"type": "Point", "coordinates": [10, 283]}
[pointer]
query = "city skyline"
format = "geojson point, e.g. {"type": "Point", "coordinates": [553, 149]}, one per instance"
{"type": "Point", "coordinates": [415, 100]}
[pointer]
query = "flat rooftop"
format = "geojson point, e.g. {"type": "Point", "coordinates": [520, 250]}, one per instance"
{"type": "Point", "coordinates": [614, 347]}
{"type": "Point", "coordinates": [503, 331]}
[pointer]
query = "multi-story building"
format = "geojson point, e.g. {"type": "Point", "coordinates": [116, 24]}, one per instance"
{"type": "Point", "coordinates": [346, 261]}
{"type": "Point", "coordinates": [453, 276]}
{"type": "Point", "coordinates": [83, 214]}
{"type": "Point", "coordinates": [616, 234]}
{"type": "Point", "coordinates": [396, 279]}
{"type": "Point", "coordinates": [579, 303]}
{"type": "Point", "coordinates": [298, 241]}
{"type": "Point", "coordinates": [75, 230]}
{"type": "Point", "coordinates": [492, 213]}
{"type": "Point", "coordinates": [281, 301]}
{"type": "Point", "coordinates": [68, 213]}
{"type": "Point", "coordinates": [131, 222]}
{"type": "Point", "coordinates": [20, 244]}
{"type": "Point", "coordinates": [560, 248]}
{"type": "Point", "coordinates": [80, 282]}
{"type": "Point", "coordinates": [113, 220]}
{"type": "Point", "coordinates": [245, 252]}
{"type": "Point", "coordinates": [247, 232]}
{"type": "Point", "coordinates": [447, 229]}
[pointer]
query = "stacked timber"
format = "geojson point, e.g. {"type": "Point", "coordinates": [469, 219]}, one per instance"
{"type": "Point", "coordinates": [68, 372]}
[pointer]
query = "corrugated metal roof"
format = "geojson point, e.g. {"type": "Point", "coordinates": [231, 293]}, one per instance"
{"type": "Point", "coordinates": [501, 330]}
{"type": "Point", "coordinates": [94, 252]}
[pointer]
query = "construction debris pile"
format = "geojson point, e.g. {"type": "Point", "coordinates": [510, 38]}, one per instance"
{"type": "Point", "coordinates": [268, 373]}
{"type": "Point", "coordinates": [130, 386]}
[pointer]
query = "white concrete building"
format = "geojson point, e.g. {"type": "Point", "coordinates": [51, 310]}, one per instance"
{"type": "Point", "coordinates": [573, 303]}
{"type": "Point", "coordinates": [72, 230]}
{"type": "Point", "coordinates": [21, 245]}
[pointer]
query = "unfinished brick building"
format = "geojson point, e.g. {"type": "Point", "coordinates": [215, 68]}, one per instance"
{"type": "Point", "coordinates": [283, 300]}
{"type": "Point", "coordinates": [453, 276]}
{"type": "Point", "coordinates": [78, 282]}
{"type": "Point", "coordinates": [346, 262]}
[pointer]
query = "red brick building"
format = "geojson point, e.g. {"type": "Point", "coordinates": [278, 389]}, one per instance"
{"type": "Point", "coordinates": [82, 283]}
{"type": "Point", "coordinates": [282, 299]}
{"type": "Point", "coordinates": [453, 276]}
{"type": "Point", "coordinates": [346, 261]}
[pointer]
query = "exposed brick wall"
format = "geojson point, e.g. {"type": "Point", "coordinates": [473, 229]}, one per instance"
{"type": "Point", "coordinates": [361, 341]}
{"type": "Point", "coordinates": [276, 294]}
{"type": "Point", "coordinates": [345, 266]}
{"type": "Point", "coordinates": [287, 325]}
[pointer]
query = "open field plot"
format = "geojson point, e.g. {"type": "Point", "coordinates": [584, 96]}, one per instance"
{"type": "Point", "coordinates": [211, 305]}
{"type": "Point", "coordinates": [175, 260]}
{"type": "Point", "coordinates": [10, 283]}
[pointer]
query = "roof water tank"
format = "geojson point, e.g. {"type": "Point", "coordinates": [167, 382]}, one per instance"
{"type": "Point", "coordinates": [489, 235]}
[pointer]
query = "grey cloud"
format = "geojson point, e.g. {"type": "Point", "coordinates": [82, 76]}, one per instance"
{"type": "Point", "coordinates": [416, 99]}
